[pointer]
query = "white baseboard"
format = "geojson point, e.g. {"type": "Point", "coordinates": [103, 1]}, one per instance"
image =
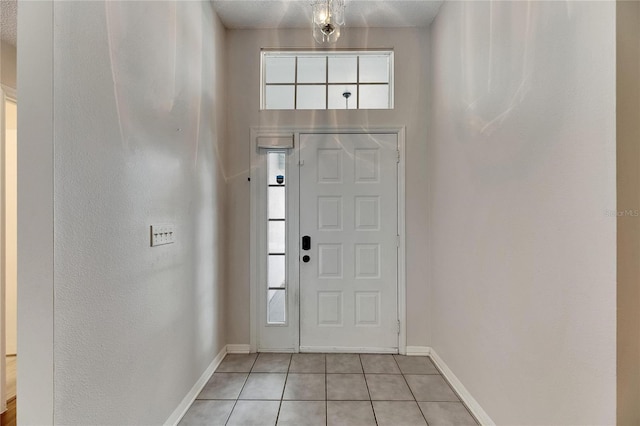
{"type": "Point", "coordinates": [182, 408]}
{"type": "Point", "coordinates": [238, 349]}
{"type": "Point", "coordinates": [418, 350]}
{"type": "Point", "coordinates": [471, 403]}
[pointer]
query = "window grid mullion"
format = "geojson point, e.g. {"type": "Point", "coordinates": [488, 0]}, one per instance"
{"type": "Point", "coordinates": [295, 86]}
{"type": "Point", "coordinates": [326, 82]}
{"type": "Point", "coordinates": [358, 83]}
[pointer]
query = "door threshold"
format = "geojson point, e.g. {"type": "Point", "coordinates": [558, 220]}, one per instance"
{"type": "Point", "coordinates": [342, 350]}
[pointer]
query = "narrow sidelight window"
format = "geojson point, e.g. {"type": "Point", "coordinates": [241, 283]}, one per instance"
{"type": "Point", "coordinates": [276, 238]}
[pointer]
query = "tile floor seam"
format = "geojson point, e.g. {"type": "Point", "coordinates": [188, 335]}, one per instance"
{"type": "Point", "coordinates": [238, 397]}
{"type": "Point", "coordinates": [464, 404]}
{"type": "Point", "coordinates": [380, 374]}
{"type": "Point", "coordinates": [326, 394]}
{"type": "Point", "coordinates": [286, 378]}
{"type": "Point", "coordinates": [415, 400]}
{"type": "Point", "coordinates": [229, 415]}
{"type": "Point", "coordinates": [368, 391]}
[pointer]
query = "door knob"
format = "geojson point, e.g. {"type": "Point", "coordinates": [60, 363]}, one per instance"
{"type": "Point", "coordinates": [306, 258]}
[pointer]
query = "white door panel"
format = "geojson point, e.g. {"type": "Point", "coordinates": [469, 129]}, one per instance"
{"type": "Point", "coordinates": [349, 208]}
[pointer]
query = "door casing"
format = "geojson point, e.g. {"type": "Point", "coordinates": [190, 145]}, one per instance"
{"type": "Point", "coordinates": [6, 93]}
{"type": "Point", "coordinates": [256, 227]}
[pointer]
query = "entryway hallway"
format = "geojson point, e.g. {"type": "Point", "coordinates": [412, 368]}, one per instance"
{"type": "Point", "coordinates": [327, 389]}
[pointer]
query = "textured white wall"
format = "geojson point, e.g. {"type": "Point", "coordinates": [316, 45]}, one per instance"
{"type": "Point", "coordinates": [138, 90]}
{"type": "Point", "coordinates": [522, 171]}
{"type": "Point", "coordinates": [35, 214]}
{"type": "Point", "coordinates": [411, 102]}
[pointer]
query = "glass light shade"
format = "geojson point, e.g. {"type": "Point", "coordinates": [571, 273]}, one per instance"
{"type": "Point", "coordinates": [320, 12]}
{"type": "Point", "coordinates": [337, 11]}
{"type": "Point", "coordinates": [328, 16]}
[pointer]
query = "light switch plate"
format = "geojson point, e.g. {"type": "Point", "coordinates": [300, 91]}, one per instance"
{"type": "Point", "coordinates": [162, 234]}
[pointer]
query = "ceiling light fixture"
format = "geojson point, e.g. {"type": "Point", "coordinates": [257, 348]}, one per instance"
{"type": "Point", "coordinates": [328, 17]}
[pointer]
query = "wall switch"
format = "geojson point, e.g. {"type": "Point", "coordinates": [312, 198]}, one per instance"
{"type": "Point", "coordinates": [162, 234]}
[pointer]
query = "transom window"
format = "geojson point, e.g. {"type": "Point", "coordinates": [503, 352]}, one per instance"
{"type": "Point", "coordinates": [327, 80]}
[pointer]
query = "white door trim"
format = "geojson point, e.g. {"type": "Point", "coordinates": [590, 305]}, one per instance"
{"type": "Point", "coordinates": [255, 226]}
{"type": "Point", "coordinates": [6, 94]}
{"type": "Point", "coordinates": [3, 326]}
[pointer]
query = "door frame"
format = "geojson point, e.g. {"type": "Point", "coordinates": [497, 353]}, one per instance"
{"type": "Point", "coordinates": [6, 94]}
{"type": "Point", "coordinates": [257, 225]}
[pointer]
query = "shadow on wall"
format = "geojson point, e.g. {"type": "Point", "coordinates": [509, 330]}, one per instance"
{"type": "Point", "coordinates": [170, 99]}
{"type": "Point", "coordinates": [506, 76]}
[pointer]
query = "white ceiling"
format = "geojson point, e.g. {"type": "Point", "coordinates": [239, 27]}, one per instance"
{"type": "Point", "coordinates": [9, 21]}
{"type": "Point", "coordinates": [297, 13]}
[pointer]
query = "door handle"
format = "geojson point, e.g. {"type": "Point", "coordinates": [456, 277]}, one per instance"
{"type": "Point", "coordinates": [306, 242]}
{"type": "Point", "coordinates": [306, 258]}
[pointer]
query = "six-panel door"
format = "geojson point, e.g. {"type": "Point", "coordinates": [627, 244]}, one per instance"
{"type": "Point", "coordinates": [349, 210]}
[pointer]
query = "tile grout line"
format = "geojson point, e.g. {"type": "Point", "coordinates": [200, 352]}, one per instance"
{"type": "Point", "coordinates": [286, 378]}
{"type": "Point", "coordinates": [243, 385]}
{"type": "Point", "coordinates": [368, 391]}
{"type": "Point", "coordinates": [411, 390]}
{"type": "Point", "coordinates": [326, 394]}
{"type": "Point", "coordinates": [464, 404]}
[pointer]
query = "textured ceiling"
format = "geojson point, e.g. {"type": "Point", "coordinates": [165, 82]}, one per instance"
{"type": "Point", "coordinates": [297, 13]}
{"type": "Point", "coordinates": [285, 14]}
{"type": "Point", "coordinates": [9, 21]}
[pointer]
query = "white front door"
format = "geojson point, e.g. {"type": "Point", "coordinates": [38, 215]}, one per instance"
{"type": "Point", "coordinates": [349, 212]}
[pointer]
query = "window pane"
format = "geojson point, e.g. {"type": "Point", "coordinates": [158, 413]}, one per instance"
{"type": "Point", "coordinates": [374, 96]}
{"type": "Point", "coordinates": [276, 237]}
{"type": "Point", "coordinates": [312, 69]}
{"type": "Point", "coordinates": [276, 271]}
{"type": "Point", "coordinates": [276, 167]}
{"type": "Point", "coordinates": [338, 101]}
{"type": "Point", "coordinates": [276, 306]}
{"type": "Point", "coordinates": [276, 202]}
{"type": "Point", "coordinates": [280, 69]}
{"type": "Point", "coordinates": [374, 69]}
{"type": "Point", "coordinates": [311, 97]}
{"type": "Point", "coordinates": [279, 97]}
{"type": "Point", "coordinates": [343, 69]}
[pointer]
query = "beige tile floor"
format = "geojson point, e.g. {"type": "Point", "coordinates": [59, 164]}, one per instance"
{"type": "Point", "coordinates": [327, 389]}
